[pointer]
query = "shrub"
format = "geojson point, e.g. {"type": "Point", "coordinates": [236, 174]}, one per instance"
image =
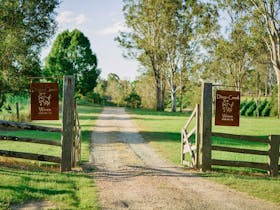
{"type": "Point", "coordinates": [251, 109]}
{"type": "Point", "coordinates": [260, 107]}
{"type": "Point", "coordinates": [246, 106]}
{"type": "Point", "coordinates": [266, 111]}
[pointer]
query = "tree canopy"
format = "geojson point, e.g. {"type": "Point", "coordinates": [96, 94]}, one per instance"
{"type": "Point", "coordinates": [71, 54]}
{"type": "Point", "coordinates": [25, 27]}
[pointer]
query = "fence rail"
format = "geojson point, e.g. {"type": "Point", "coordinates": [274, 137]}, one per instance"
{"type": "Point", "coordinates": [30, 140]}
{"type": "Point", "coordinates": [25, 126]}
{"type": "Point", "coordinates": [30, 156]}
{"type": "Point", "coordinates": [272, 153]}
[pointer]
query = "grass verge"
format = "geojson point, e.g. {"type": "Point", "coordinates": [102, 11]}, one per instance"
{"type": "Point", "coordinates": [23, 181]}
{"type": "Point", "coordinates": [162, 131]}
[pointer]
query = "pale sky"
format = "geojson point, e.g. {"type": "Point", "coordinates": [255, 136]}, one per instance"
{"type": "Point", "coordinates": [100, 21]}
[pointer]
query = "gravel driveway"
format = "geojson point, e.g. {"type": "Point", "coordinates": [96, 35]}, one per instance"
{"type": "Point", "coordinates": [131, 175]}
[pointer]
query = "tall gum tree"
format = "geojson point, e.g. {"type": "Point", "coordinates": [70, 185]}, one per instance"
{"type": "Point", "coordinates": [162, 34]}
{"type": "Point", "coordinates": [267, 14]}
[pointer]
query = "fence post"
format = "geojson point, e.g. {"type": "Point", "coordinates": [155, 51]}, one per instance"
{"type": "Point", "coordinates": [197, 136]}
{"type": "Point", "coordinates": [17, 111]}
{"type": "Point", "coordinates": [206, 126]}
{"type": "Point", "coordinates": [67, 122]}
{"type": "Point", "coordinates": [273, 155]}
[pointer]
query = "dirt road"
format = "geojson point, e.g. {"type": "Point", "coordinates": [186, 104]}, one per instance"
{"type": "Point", "coordinates": [130, 175]}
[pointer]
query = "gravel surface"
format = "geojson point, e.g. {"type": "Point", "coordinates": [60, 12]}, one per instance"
{"type": "Point", "coordinates": [131, 175]}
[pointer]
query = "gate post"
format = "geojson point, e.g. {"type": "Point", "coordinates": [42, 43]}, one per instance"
{"type": "Point", "coordinates": [206, 126]}
{"type": "Point", "coordinates": [273, 155]}
{"type": "Point", "coordinates": [67, 123]}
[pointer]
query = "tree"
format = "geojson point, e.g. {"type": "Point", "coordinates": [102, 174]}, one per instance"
{"type": "Point", "coordinates": [163, 34]}
{"type": "Point", "coordinates": [25, 26]}
{"type": "Point", "coordinates": [71, 54]}
{"type": "Point", "coordinates": [144, 42]}
{"type": "Point", "coordinates": [186, 25]}
{"type": "Point", "coordinates": [267, 15]}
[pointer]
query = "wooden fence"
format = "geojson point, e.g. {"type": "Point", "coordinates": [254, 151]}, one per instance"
{"type": "Point", "coordinates": [70, 133]}
{"type": "Point", "coordinates": [186, 145]}
{"type": "Point", "coordinates": [272, 153]}
{"type": "Point", "coordinates": [206, 142]}
{"type": "Point", "coordinates": [30, 156]}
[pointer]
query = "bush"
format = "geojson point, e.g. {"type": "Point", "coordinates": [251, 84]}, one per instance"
{"type": "Point", "coordinates": [133, 100]}
{"type": "Point", "coordinates": [246, 106]}
{"type": "Point", "coordinates": [266, 111]}
{"type": "Point", "coordinates": [260, 107]}
{"type": "Point", "coordinates": [251, 109]}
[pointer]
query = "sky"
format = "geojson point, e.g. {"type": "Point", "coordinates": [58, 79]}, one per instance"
{"type": "Point", "coordinates": [100, 21]}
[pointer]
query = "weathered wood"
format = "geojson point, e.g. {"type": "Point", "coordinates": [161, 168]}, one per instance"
{"type": "Point", "coordinates": [25, 126]}
{"type": "Point", "coordinates": [30, 156]}
{"type": "Point", "coordinates": [30, 140]}
{"type": "Point", "coordinates": [68, 123]}
{"type": "Point", "coordinates": [206, 126]}
{"type": "Point", "coordinates": [240, 137]}
{"type": "Point", "coordinates": [182, 146]}
{"type": "Point", "coordinates": [246, 164]}
{"type": "Point", "coordinates": [190, 119]}
{"type": "Point", "coordinates": [239, 150]}
{"type": "Point", "coordinates": [17, 111]}
{"type": "Point", "coordinates": [197, 136]}
{"type": "Point", "coordinates": [191, 132]}
{"type": "Point", "coordinates": [273, 155]}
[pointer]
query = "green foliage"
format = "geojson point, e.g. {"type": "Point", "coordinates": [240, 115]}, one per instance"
{"type": "Point", "coordinates": [245, 107]}
{"type": "Point", "coordinates": [260, 107]}
{"type": "Point", "coordinates": [71, 54]}
{"type": "Point", "coordinates": [25, 28]}
{"type": "Point", "coordinates": [251, 109]}
{"type": "Point", "coordinates": [266, 111]}
{"type": "Point", "coordinates": [133, 100]}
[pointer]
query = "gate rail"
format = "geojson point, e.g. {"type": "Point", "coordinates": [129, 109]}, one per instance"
{"type": "Point", "coordinates": [186, 145]}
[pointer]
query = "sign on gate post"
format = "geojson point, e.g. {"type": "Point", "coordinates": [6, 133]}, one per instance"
{"type": "Point", "coordinates": [44, 101]}
{"type": "Point", "coordinates": [227, 108]}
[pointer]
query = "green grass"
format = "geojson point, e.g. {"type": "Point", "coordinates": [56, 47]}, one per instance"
{"type": "Point", "coordinates": [162, 131]}
{"type": "Point", "coordinates": [24, 180]}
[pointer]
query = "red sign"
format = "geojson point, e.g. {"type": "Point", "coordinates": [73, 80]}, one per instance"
{"type": "Point", "coordinates": [44, 101]}
{"type": "Point", "coordinates": [227, 108]}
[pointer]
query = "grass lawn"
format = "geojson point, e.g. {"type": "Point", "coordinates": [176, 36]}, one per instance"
{"type": "Point", "coordinates": [162, 131]}
{"type": "Point", "coordinates": [23, 180]}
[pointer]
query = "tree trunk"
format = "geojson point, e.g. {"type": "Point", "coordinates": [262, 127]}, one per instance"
{"type": "Point", "coordinates": [278, 82]}
{"type": "Point", "coordinates": [158, 97]}
{"type": "Point", "coordinates": [173, 98]}
{"type": "Point", "coordinates": [162, 96]}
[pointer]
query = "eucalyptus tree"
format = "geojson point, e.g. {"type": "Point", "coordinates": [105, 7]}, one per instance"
{"type": "Point", "coordinates": [162, 34]}
{"type": "Point", "coordinates": [25, 27]}
{"type": "Point", "coordinates": [145, 39]}
{"type": "Point", "coordinates": [266, 15]}
{"type": "Point", "coordinates": [187, 25]}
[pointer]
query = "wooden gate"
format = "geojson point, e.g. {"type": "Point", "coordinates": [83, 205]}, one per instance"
{"type": "Point", "coordinates": [186, 145]}
{"type": "Point", "coordinates": [207, 161]}
{"type": "Point", "coordinates": [70, 133]}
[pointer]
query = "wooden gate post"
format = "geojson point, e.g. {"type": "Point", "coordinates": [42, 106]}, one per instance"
{"type": "Point", "coordinates": [67, 123]}
{"type": "Point", "coordinates": [273, 155]}
{"type": "Point", "coordinates": [206, 126]}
